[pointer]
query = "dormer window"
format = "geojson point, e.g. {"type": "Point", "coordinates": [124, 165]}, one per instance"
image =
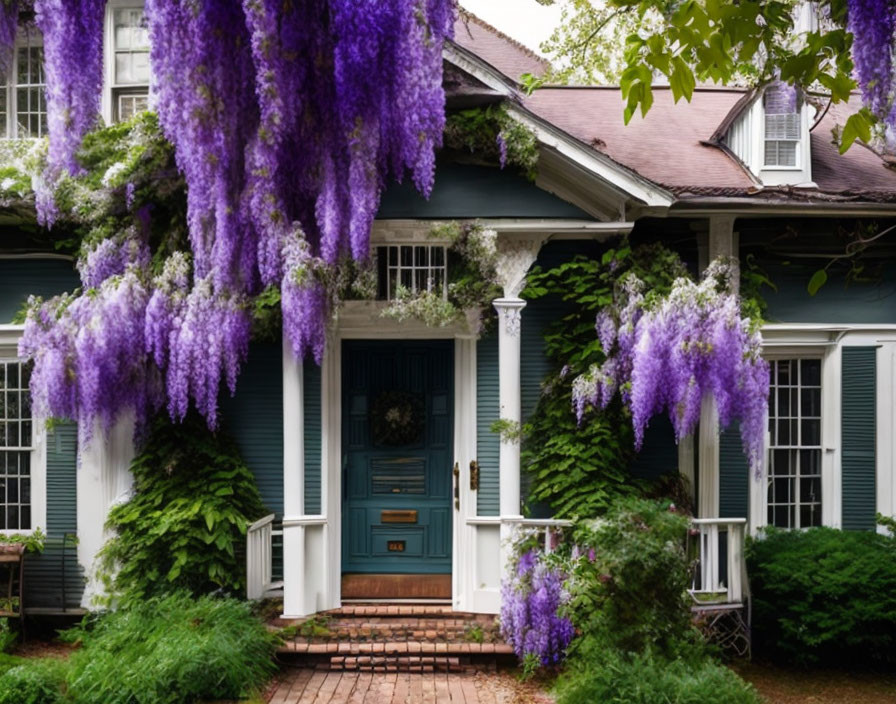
{"type": "Point", "coordinates": [782, 126]}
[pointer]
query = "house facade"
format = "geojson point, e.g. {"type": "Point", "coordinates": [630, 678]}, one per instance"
{"type": "Point", "coordinates": [753, 175]}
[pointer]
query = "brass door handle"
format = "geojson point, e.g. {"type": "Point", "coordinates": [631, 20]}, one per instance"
{"type": "Point", "coordinates": [456, 486]}
{"type": "Point", "coordinates": [474, 475]}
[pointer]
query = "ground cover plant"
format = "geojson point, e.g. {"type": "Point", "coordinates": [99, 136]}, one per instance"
{"type": "Point", "coordinates": [824, 596]}
{"type": "Point", "coordinates": [184, 528]}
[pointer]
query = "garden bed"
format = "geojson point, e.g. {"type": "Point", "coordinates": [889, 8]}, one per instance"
{"type": "Point", "coordinates": [780, 685]}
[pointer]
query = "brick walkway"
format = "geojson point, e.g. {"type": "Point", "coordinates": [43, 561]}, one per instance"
{"type": "Point", "coordinates": [308, 686]}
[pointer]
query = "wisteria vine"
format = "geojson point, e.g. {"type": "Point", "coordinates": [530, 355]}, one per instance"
{"type": "Point", "coordinates": [873, 26]}
{"type": "Point", "coordinates": [666, 354]}
{"type": "Point", "coordinates": [285, 144]}
{"type": "Point", "coordinates": [531, 598]}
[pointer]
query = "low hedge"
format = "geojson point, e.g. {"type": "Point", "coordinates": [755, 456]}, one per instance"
{"type": "Point", "coordinates": [824, 595]}
{"type": "Point", "coordinates": [609, 676]}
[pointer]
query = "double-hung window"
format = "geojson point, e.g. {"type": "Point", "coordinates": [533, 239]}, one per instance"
{"type": "Point", "coordinates": [130, 72]}
{"type": "Point", "coordinates": [413, 268]}
{"type": "Point", "coordinates": [23, 103]}
{"type": "Point", "coordinates": [782, 126]}
{"type": "Point", "coordinates": [16, 447]}
{"type": "Point", "coordinates": [795, 450]}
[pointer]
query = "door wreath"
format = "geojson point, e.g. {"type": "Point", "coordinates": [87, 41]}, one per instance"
{"type": "Point", "coordinates": [396, 418]}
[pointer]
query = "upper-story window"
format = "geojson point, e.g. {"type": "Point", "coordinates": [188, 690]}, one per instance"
{"type": "Point", "coordinates": [413, 268]}
{"type": "Point", "coordinates": [130, 70]}
{"type": "Point", "coordinates": [782, 126]}
{"type": "Point", "coordinates": [23, 104]}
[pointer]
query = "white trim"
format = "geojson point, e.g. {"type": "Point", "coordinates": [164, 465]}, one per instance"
{"type": "Point", "coordinates": [109, 86]}
{"type": "Point", "coordinates": [295, 589]}
{"type": "Point", "coordinates": [38, 466]}
{"type": "Point", "coordinates": [886, 441]}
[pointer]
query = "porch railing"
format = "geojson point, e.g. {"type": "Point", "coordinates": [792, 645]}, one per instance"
{"type": "Point", "coordinates": [720, 540]}
{"type": "Point", "coordinates": [546, 530]}
{"type": "Point", "coordinates": [260, 558]}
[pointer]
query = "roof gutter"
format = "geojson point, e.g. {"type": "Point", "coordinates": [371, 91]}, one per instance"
{"type": "Point", "coordinates": [751, 208]}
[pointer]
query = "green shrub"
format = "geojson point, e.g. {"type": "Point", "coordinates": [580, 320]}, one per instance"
{"type": "Point", "coordinates": [185, 527]}
{"type": "Point", "coordinates": [33, 682]}
{"type": "Point", "coordinates": [605, 675]}
{"type": "Point", "coordinates": [630, 586]}
{"type": "Point", "coordinates": [824, 595]}
{"type": "Point", "coordinates": [171, 650]}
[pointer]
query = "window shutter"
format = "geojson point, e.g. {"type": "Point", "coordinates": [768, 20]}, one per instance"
{"type": "Point", "coordinates": [734, 474]}
{"type": "Point", "coordinates": [859, 437]}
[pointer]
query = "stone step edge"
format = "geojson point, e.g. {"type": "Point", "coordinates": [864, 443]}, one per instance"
{"type": "Point", "coordinates": [396, 648]}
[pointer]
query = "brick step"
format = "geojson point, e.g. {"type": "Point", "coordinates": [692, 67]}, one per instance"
{"type": "Point", "coordinates": [392, 610]}
{"type": "Point", "coordinates": [365, 663]}
{"type": "Point", "coordinates": [394, 648]}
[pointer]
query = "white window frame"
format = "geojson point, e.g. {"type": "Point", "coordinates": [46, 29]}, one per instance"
{"type": "Point", "coordinates": [798, 142]}
{"type": "Point", "coordinates": [34, 39]}
{"type": "Point", "coordinates": [110, 87]}
{"type": "Point", "coordinates": [795, 502]}
{"type": "Point", "coordinates": [9, 340]}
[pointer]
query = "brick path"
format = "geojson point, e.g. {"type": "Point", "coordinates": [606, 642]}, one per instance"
{"type": "Point", "coordinates": [309, 686]}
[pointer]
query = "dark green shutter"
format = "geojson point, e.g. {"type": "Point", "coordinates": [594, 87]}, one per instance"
{"type": "Point", "coordinates": [312, 437]}
{"type": "Point", "coordinates": [734, 474]}
{"type": "Point", "coordinates": [53, 579]}
{"type": "Point", "coordinates": [487, 412]}
{"type": "Point", "coordinates": [859, 437]}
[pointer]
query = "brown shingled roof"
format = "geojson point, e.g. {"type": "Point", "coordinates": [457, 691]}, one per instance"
{"type": "Point", "coordinates": [671, 148]}
{"type": "Point", "coordinates": [493, 46]}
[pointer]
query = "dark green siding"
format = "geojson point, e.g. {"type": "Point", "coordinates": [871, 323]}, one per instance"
{"type": "Point", "coordinates": [466, 191]}
{"type": "Point", "coordinates": [734, 474]}
{"type": "Point", "coordinates": [54, 579]}
{"type": "Point", "coordinates": [859, 437]}
{"type": "Point", "coordinates": [20, 278]}
{"type": "Point", "coordinates": [255, 417]}
{"type": "Point", "coordinates": [312, 437]}
{"type": "Point", "coordinates": [836, 302]}
{"type": "Point", "coordinates": [659, 453]}
{"type": "Point", "coordinates": [487, 412]}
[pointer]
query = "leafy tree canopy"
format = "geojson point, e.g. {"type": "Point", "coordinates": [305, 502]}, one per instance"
{"type": "Point", "coordinates": [755, 41]}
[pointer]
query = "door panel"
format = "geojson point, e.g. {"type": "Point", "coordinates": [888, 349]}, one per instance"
{"type": "Point", "coordinates": [408, 478]}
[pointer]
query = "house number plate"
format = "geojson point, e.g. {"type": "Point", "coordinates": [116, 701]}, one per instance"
{"type": "Point", "coordinates": [395, 545]}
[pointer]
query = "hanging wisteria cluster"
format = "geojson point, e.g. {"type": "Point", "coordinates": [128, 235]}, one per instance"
{"type": "Point", "coordinates": [667, 354]}
{"type": "Point", "coordinates": [873, 26]}
{"type": "Point", "coordinates": [9, 25]}
{"type": "Point", "coordinates": [531, 597]}
{"type": "Point", "coordinates": [286, 121]}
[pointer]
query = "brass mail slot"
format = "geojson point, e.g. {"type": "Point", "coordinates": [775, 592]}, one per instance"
{"type": "Point", "coordinates": [398, 517]}
{"type": "Point", "coordinates": [395, 545]}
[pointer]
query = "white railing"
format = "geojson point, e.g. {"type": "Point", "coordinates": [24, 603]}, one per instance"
{"type": "Point", "coordinates": [547, 530]}
{"type": "Point", "coordinates": [260, 558]}
{"type": "Point", "coordinates": [709, 586]}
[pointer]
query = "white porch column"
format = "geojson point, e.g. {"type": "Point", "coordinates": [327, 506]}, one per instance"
{"type": "Point", "coordinates": [293, 483]}
{"type": "Point", "coordinates": [722, 241]}
{"type": "Point", "coordinates": [103, 480]}
{"type": "Point", "coordinates": [509, 314]}
{"type": "Point", "coordinates": [516, 253]}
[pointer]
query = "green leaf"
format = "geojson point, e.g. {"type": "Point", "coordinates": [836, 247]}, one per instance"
{"type": "Point", "coordinates": [819, 278]}
{"type": "Point", "coordinates": [858, 126]}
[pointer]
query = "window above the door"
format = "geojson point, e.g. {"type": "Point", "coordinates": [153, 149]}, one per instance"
{"type": "Point", "coordinates": [411, 268]}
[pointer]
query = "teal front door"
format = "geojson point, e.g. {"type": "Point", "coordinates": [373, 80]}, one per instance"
{"type": "Point", "coordinates": [397, 412]}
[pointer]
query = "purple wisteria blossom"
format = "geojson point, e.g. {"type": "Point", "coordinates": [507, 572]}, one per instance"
{"type": "Point", "coordinates": [872, 23]}
{"type": "Point", "coordinates": [73, 65]}
{"type": "Point", "coordinates": [669, 355]}
{"type": "Point", "coordinates": [9, 24]}
{"type": "Point", "coordinates": [531, 597]}
{"type": "Point", "coordinates": [286, 118]}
